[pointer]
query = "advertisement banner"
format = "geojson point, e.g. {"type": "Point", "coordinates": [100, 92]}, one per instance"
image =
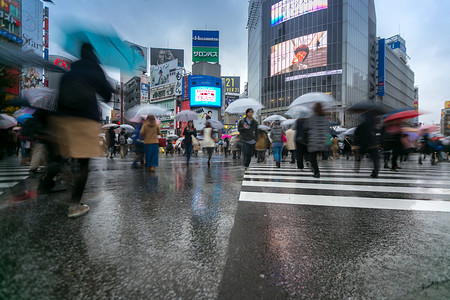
{"type": "Point", "coordinates": [205, 38]}
{"type": "Point", "coordinates": [381, 69]}
{"type": "Point", "coordinates": [285, 10]}
{"type": "Point", "coordinates": [144, 88]}
{"type": "Point", "coordinates": [206, 96]}
{"type": "Point", "coordinates": [229, 100]}
{"type": "Point", "coordinates": [205, 54]}
{"type": "Point", "coordinates": [447, 104]}
{"type": "Point", "coordinates": [32, 33]}
{"type": "Point", "coordinates": [232, 84]}
{"type": "Point", "coordinates": [305, 52]}
{"type": "Point", "coordinates": [205, 114]}
{"type": "Point", "coordinates": [160, 74]}
{"type": "Point", "coordinates": [178, 81]}
{"type": "Point", "coordinates": [397, 45]}
{"type": "Point", "coordinates": [158, 56]}
{"type": "Point", "coordinates": [185, 88]}
{"type": "Point", "coordinates": [142, 51]}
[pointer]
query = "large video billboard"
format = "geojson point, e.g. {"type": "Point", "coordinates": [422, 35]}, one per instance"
{"type": "Point", "coordinates": [305, 52]}
{"type": "Point", "coordinates": [206, 96]}
{"type": "Point", "coordinates": [159, 56]}
{"type": "Point", "coordinates": [288, 9]}
{"type": "Point", "coordinates": [160, 75]}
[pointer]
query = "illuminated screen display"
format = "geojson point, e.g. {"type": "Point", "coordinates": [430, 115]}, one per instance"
{"type": "Point", "coordinates": [288, 9]}
{"type": "Point", "coordinates": [206, 96]}
{"type": "Point", "coordinates": [305, 52]}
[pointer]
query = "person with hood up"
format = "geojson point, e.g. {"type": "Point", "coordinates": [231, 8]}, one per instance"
{"type": "Point", "coordinates": [316, 131]}
{"type": "Point", "coordinates": [149, 133]}
{"type": "Point", "coordinates": [276, 134]}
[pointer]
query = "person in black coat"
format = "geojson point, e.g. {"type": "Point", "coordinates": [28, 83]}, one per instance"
{"type": "Point", "coordinates": [188, 133]}
{"type": "Point", "coordinates": [366, 140]}
{"type": "Point", "coordinates": [247, 130]}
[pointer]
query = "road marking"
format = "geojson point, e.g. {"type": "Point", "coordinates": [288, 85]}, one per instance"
{"type": "Point", "coordinates": [334, 173]}
{"type": "Point", "coordinates": [4, 185]}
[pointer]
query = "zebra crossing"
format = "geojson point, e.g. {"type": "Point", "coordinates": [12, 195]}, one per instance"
{"type": "Point", "coordinates": [11, 175]}
{"type": "Point", "coordinates": [412, 188]}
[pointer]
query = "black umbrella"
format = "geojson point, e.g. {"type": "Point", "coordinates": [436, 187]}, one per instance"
{"type": "Point", "coordinates": [363, 106]}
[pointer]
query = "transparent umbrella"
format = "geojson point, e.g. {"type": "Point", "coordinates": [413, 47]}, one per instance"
{"type": "Point", "coordinates": [127, 127]}
{"type": "Point", "coordinates": [274, 118]}
{"type": "Point", "coordinates": [309, 99]}
{"type": "Point", "coordinates": [186, 115]}
{"type": "Point", "coordinates": [216, 124]}
{"type": "Point", "coordinates": [145, 110]}
{"type": "Point", "coordinates": [241, 105]}
{"type": "Point", "coordinates": [7, 121]}
{"type": "Point", "coordinates": [301, 112]}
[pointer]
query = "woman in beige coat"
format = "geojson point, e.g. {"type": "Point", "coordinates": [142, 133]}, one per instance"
{"type": "Point", "coordinates": [149, 133]}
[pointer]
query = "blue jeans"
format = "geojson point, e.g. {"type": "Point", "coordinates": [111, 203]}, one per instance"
{"type": "Point", "coordinates": [277, 149]}
{"type": "Point", "coordinates": [189, 151]}
{"type": "Point", "coordinates": [151, 155]}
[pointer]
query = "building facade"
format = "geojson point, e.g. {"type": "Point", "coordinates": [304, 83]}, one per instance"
{"type": "Point", "coordinates": [296, 47]}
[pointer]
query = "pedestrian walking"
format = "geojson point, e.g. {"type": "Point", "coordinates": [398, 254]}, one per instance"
{"type": "Point", "coordinates": [366, 141]}
{"type": "Point", "coordinates": [188, 133]}
{"type": "Point", "coordinates": [290, 143]}
{"type": "Point", "coordinates": [278, 139]}
{"type": "Point", "coordinates": [391, 140]}
{"type": "Point", "coordinates": [335, 147]}
{"type": "Point", "coordinates": [316, 132]}
{"type": "Point", "coordinates": [348, 144]}
{"type": "Point", "coordinates": [208, 141]}
{"type": "Point", "coordinates": [226, 146]}
{"type": "Point", "coordinates": [111, 141]}
{"type": "Point", "coordinates": [149, 134]}
{"type": "Point", "coordinates": [236, 147]}
{"type": "Point", "coordinates": [139, 147]}
{"type": "Point", "coordinates": [261, 145]}
{"type": "Point", "coordinates": [123, 137]}
{"type": "Point", "coordinates": [301, 151]}
{"type": "Point", "coordinates": [76, 125]}
{"type": "Point", "coordinates": [247, 129]}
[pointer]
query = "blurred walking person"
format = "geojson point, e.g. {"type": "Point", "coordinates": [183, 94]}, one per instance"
{"type": "Point", "coordinates": [226, 146]}
{"type": "Point", "coordinates": [278, 138]}
{"type": "Point", "coordinates": [290, 143]}
{"type": "Point", "coordinates": [261, 145]}
{"type": "Point", "coordinates": [123, 137]}
{"type": "Point", "coordinates": [111, 141]}
{"type": "Point", "coordinates": [77, 124]}
{"type": "Point", "coordinates": [149, 134]}
{"type": "Point", "coordinates": [301, 150]}
{"type": "Point", "coordinates": [316, 130]}
{"type": "Point", "coordinates": [247, 130]}
{"type": "Point", "coordinates": [208, 141]}
{"type": "Point", "coordinates": [139, 147]}
{"type": "Point", "coordinates": [335, 147]}
{"type": "Point", "coordinates": [188, 133]}
{"type": "Point", "coordinates": [366, 141]}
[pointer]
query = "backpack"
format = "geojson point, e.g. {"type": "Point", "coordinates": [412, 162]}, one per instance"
{"type": "Point", "coordinates": [122, 139]}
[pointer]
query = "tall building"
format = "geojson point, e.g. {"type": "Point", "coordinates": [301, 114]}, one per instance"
{"type": "Point", "coordinates": [396, 79]}
{"type": "Point", "coordinates": [296, 47]}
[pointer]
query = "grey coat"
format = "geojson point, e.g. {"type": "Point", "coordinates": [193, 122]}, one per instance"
{"type": "Point", "coordinates": [276, 134]}
{"type": "Point", "coordinates": [317, 129]}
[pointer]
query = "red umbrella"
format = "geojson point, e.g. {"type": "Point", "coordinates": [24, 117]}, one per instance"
{"type": "Point", "coordinates": [403, 115]}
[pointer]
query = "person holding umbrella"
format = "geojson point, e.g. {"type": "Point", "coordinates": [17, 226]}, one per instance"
{"type": "Point", "coordinates": [149, 133]}
{"type": "Point", "coordinates": [188, 133]}
{"type": "Point", "coordinates": [276, 134]}
{"type": "Point", "coordinates": [208, 140]}
{"type": "Point", "coordinates": [247, 128]}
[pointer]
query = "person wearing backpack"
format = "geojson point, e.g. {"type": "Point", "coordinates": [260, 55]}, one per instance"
{"type": "Point", "coordinates": [123, 137]}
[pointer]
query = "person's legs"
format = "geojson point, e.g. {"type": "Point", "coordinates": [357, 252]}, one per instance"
{"type": "Point", "coordinates": [299, 154]}
{"type": "Point", "coordinates": [188, 152]}
{"type": "Point", "coordinates": [38, 155]}
{"type": "Point", "coordinates": [210, 152]}
{"type": "Point", "coordinates": [277, 153]}
{"type": "Point", "coordinates": [314, 164]}
{"type": "Point", "coordinates": [293, 155]}
{"type": "Point", "coordinates": [375, 157]}
{"type": "Point", "coordinates": [123, 150]}
{"type": "Point", "coordinates": [154, 152]}
{"type": "Point", "coordinates": [75, 208]}
{"type": "Point", "coordinates": [148, 160]}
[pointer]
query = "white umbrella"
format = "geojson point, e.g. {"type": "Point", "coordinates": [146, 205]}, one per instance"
{"type": "Point", "coordinates": [264, 127]}
{"type": "Point", "coordinates": [216, 124]}
{"type": "Point", "coordinates": [146, 109]}
{"type": "Point", "coordinates": [41, 97]}
{"type": "Point", "coordinates": [351, 131]}
{"type": "Point", "coordinates": [311, 98]}
{"type": "Point", "coordinates": [300, 112]}
{"type": "Point", "coordinates": [341, 129]}
{"type": "Point", "coordinates": [288, 123]}
{"type": "Point", "coordinates": [110, 125]}
{"type": "Point", "coordinates": [172, 137]}
{"type": "Point", "coordinates": [7, 121]}
{"type": "Point", "coordinates": [241, 105]}
{"type": "Point", "coordinates": [127, 127]}
{"type": "Point", "coordinates": [274, 118]}
{"type": "Point", "coordinates": [186, 115]}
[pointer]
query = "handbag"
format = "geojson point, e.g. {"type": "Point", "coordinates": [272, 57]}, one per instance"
{"type": "Point", "coordinates": [283, 138]}
{"type": "Point", "coordinates": [162, 142]}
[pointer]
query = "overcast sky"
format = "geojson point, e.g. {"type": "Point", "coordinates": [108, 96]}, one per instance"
{"type": "Point", "coordinates": [169, 23]}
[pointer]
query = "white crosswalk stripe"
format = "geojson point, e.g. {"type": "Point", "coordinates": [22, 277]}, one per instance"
{"type": "Point", "coordinates": [11, 175]}
{"type": "Point", "coordinates": [412, 188]}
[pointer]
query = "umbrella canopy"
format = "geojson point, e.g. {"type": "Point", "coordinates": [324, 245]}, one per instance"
{"type": "Point", "coordinates": [144, 110]}
{"type": "Point", "coordinates": [17, 128]}
{"type": "Point", "coordinates": [241, 105]}
{"type": "Point", "coordinates": [41, 97]}
{"type": "Point", "coordinates": [172, 137]}
{"type": "Point", "coordinates": [300, 112]}
{"type": "Point", "coordinates": [264, 127]}
{"type": "Point", "coordinates": [186, 115]}
{"type": "Point", "coordinates": [7, 121]}
{"type": "Point", "coordinates": [235, 133]}
{"type": "Point", "coordinates": [364, 106]}
{"type": "Point", "coordinates": [274, 118]}
{"type": "Point", "coordinates": [428, 129]}
{"type": "Point", "coordinates": [127, 127]}
{"type": "Point", "coordinates": [23, 118]}
{"type": "Point", "coordinates": [23, 111]}
{"type": "Point", "coordinates": [110, 125]}
{"type": "Point", "coordinates": [351, 131]}
{"type": "Point", "coordinates": [226, 136]}
{"type": "Point", "coordinates": [288, 123]}
{"type": "Point", "coordinates": [404, 115]}
{"type": "Point", "coordinates": [340, 129]}
{"type": "Point", "coordinates": [309, 99]}
{"type": "Point", "coordinates": [110, 49]}
{"type": "Point", "coordinates": [216, 124]}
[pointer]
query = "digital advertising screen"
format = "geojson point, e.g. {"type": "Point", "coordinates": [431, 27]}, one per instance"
{"type": "Point", "coordinates": [305, 52]}
{"type": "Point", "coordinates": [285, 10]}
{"type": "Point", "coordinates": [206, 96]}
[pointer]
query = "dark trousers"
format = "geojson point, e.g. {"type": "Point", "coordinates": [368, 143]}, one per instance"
{"type": "Point", "coordinates": [292, 156]}
{"type": "Point", "coordinates": [374, 155]}
{"type": "Point", "coordinates": [301, 153]}
{"type": "Point", "coordinates": [248, 151]}
{"type": "Point", "coordinates": [188, 152]}
{"type": "Point", "coordinates": [261, 155]}
{"type": "Point", "coordinates": [80, 181]}
{"type": "Point", "coordinates": [312, 157]}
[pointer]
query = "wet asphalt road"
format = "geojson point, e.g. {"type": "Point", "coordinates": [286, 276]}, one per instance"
{"type": "Point", "coordinates": [182, 233]}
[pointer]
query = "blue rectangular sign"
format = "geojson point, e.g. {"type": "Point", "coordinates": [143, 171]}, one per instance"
{"type": "Point", "coordinates": [207, 96]}
{"type": "Point", "coordinates": [205, 38]}
{"type": "Point", "coordinates": [381, 66]}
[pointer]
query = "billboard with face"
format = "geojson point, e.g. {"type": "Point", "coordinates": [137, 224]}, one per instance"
{"type": "Point", "coordinates": [305, 52]}
{"type": "Point", "coordinates": [142, 51]}
{"type": "Point", "coordinates": [160, 75]}
{"type": "Point", "coordinates": [159, 56]}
